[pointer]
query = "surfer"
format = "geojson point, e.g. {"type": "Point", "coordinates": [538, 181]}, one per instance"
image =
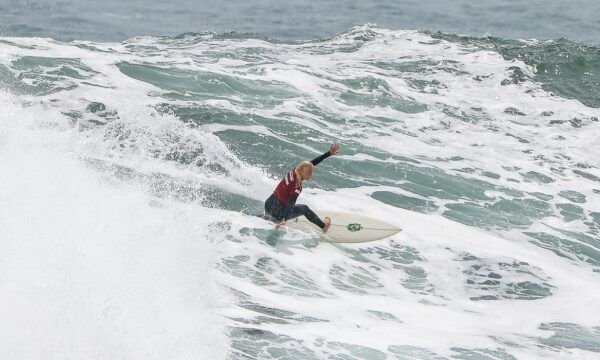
{"type": "Point", "coordinates": [281, 205]}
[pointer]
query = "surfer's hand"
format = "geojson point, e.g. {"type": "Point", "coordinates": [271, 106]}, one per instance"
{"type": "Point", "coordinates": [282, 223]}
{"type": "Point", "coordinates": [334, 149]}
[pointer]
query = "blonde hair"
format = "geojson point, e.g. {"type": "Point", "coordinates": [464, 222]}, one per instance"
{"type": "Point", "coordinates": [302, 164]}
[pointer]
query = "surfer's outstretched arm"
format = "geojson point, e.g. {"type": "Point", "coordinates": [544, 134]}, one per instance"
{"type": "Point", "coordinates": [332, 151]}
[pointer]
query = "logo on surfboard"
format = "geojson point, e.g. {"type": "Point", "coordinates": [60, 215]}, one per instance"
{"type": "Point", "coordinates": [354, 227]}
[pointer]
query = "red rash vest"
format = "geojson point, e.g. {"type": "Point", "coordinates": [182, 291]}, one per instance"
{"type": "Point", "coordinates": [289, 187]}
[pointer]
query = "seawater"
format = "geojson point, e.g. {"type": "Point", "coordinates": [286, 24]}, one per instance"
{"type": "Point", "coordinates": [130, 173]}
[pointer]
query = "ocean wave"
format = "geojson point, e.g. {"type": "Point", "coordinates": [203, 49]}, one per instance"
{"type": "Point", "coordinates": [151, 157]}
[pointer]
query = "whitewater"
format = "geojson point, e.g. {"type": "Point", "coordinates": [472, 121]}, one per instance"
{"type": "Point", "coordinates": [130, 174]}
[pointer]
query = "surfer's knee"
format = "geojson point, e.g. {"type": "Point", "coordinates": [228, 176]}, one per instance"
{"type": "Point", "coordinates": [303, 208]}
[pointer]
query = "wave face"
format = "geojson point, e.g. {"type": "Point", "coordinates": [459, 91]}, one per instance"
{"type": "Point", "coordinates": [130, 172]}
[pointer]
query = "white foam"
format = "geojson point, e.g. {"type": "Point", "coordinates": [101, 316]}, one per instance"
{"type": "Point", "coordinates": [449, 318]}
{"type": "Point", "coordinates": [94, 269]}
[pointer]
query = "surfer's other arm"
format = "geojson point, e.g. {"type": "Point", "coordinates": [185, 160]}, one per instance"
{"type": "Point", "coordinates": [287, 210]}
{"type": "Point", "coordinates": [289, 206]}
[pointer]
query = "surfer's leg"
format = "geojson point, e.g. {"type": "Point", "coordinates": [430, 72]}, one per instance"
{"type": "Point", "coordinates": [299, 210]}
{"type": "Point", "coordinates": [272, 208]}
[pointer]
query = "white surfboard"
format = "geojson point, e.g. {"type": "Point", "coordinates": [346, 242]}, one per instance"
{"type": "Point", "coordinates": [347, 227]}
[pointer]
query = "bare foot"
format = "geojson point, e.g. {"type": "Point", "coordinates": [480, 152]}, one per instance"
{"type": "Point", "coordinates": [327, 224]}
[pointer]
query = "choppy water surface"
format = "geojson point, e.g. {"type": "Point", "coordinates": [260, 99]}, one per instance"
{"type": "Point", "coordinates": [115, 20]}
{"type": "Point", "coordinates": [128, 170]}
